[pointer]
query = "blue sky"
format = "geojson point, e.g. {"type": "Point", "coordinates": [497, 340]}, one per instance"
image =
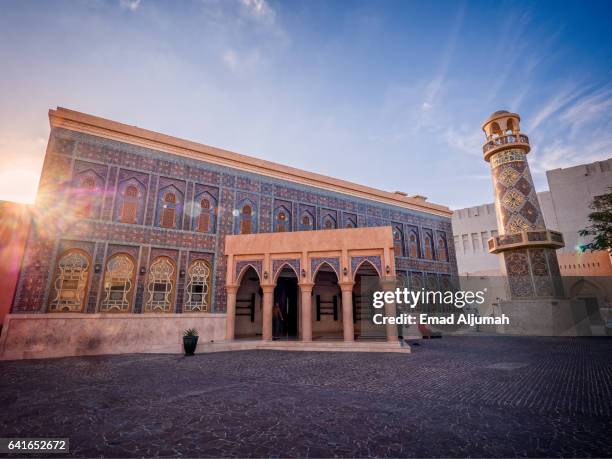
{"type": "Point", "coordinates": [390, 94]}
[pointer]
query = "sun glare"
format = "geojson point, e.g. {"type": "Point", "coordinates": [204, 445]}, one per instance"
{"type": "Point", "coordinates": [18, 184]}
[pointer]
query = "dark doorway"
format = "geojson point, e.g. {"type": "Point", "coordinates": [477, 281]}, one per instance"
{"type": "Point", "coordinates": [286, 294]}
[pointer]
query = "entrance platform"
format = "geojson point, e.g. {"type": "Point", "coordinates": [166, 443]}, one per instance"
{"type": "Point", "coordinates": [313, 346]}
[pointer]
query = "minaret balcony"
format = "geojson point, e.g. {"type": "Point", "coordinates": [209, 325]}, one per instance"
{"type": "Point", "coordinates": [503, 142]}
{"type": "Point", "coordinates": [525, 239]}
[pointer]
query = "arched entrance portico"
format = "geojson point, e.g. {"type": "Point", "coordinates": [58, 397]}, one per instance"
{"type": "Point", "coordinates": [311, 274]}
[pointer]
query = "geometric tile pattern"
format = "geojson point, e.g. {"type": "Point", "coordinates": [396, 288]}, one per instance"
{"type": "Point", "coordinates": [373, 259]}
{"type": "Point", "coordinates": [55, 229]}
{"type": "Point", "coordinates": [277, 265]}
{"type": "Point", "coordinates": [515, 195]}
{"type": "Point", "coordinates": [333, 262]}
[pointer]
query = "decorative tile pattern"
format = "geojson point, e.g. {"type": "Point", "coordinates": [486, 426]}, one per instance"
{"type": "Point", "coordinates": [373, 259]}
{"type": "Point", "coordinates": [315, 263]}
{"type": "Point", "coordinates": [277, 265]}
{"type": "Point", "coordinates": [241, 265]}
{"type": "Point", "coordinates": [116, 163]}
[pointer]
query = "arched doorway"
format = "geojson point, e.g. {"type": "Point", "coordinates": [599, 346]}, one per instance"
{"type": "Point", "coordinates": [286, 295]}
{"type": "Point", "coordinates": [326, 304]}
{"type": "Point", "coordinates": [249, 313]}
{"type": "Point", "coordinates": [367, 280]}
{"type": "Point", "coordinates": [593, 297]}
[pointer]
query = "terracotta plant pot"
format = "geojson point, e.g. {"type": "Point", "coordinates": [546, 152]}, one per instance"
{"type": "Point", "coordinates": [189, 344]}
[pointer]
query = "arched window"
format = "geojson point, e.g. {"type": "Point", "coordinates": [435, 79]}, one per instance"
{"type": "Point", "coordinates": [246, 219]}
{"type": "Point", "coordinates": [428, 247]}
{"type": "Point", "coordinates": [129, 209]}
{"type": "Point", "coordinates": [350, 223]}
{"type": "Point", "coordinates": [282, 220]}
{"type": "Point", "coordinates": [413, 245]}
{"type": "Point", "coordinates": [398, 242]}
{"type": "Point", "coordinates": [168, 216]}
{"type": "Point", "coordinates": [307, 221]}
{"type": "Point", "coordinates": [510, 126]}
{"type": "Point", "coordinates": [442, 253]}
{"type": "Point", "coordinates": [118, 284]}
{"type": "Point", "coordinates": [204, 217]}
{"type": "Point", "coordinates": [495, 130]}
{"type": "Point", "coordinates": [70, 284]}
{"type": "Point", "coordinates": [198, 287]}
{"type": "Point", "coordinates": [85, 196]}
{"type": "Point", "coordinates": [329, 222]}
{"type": "Point", "coordinates": [160, 285]}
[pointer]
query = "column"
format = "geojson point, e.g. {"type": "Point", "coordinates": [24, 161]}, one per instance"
{"type": "Point", "coordinates": [268, 298]}
{"type": "Point", "coordinates": [389, 285]}
{"type": "Point", "coordinates": [306, 312]}
{"type": "Point", "coordinates": [347, 311]}
{"type": "Point", "coordinates": [230, 319]}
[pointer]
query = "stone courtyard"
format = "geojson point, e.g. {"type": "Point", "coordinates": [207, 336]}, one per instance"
{"type": "Point", "coordinates": [457, 397]}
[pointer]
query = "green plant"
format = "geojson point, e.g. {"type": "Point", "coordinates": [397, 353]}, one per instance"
{"type": "Point", "coordinates": [601, 223]}
{"type": "Point", "coordinates": [190, 332]}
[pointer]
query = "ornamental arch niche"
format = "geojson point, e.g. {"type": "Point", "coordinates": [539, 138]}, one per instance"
{"type": "Point", "coordinates": [161, 285]}
{"type": "Point", "coordinates": [69, 288]}
{"type": "Point", "coordinates": [204, 213]}
{"type": "Point", "coordinates": [199, 286]}
{"type": "Point", "coordinates": [129, 205]}
{"type": "Point", "coordinates": [169, 211]}
{"type": "Point", "coordinates": [86, 193]}
{"type": "Point", "coordinates": [118, 286]}
{"type": "Point", "coordinates": [282, 219]}
{"type": "Point", "coordinates": [247, 217]}
{"type": "Point", "coordinates": [307, 221]}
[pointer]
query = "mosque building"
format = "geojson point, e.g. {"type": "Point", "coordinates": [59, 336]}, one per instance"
{"type": "Point", "coordinates": [137, 235]}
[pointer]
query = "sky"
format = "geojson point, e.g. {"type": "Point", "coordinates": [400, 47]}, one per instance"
{"type": "Point", "coordinates": [389, 94]}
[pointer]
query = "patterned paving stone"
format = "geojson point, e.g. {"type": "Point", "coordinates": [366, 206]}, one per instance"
{"type": "Point", "coordinates": [455, 397]}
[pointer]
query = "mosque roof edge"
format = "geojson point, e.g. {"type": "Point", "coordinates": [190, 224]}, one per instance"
{"type": "Point", "coordinates": [83, 122]}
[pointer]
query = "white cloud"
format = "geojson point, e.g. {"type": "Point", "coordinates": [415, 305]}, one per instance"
{"type": "Point", "coordinates": [259, 10]}
{"type": "Point", "coordinates": [131, 5]}
{"type": "Point", "coordinates": [588, 109]}
{"type": "Point", "coordinates": [552, 106]}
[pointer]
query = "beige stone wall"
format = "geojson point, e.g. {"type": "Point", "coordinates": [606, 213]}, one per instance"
{"type": "Point", "coordinates": [58, 335]}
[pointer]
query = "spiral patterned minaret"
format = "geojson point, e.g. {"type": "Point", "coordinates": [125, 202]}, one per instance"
{"type": "Point", "coordinates": [527, 247]}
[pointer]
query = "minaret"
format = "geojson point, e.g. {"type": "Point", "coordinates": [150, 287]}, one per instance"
{"type": "Point", "coordinates": [526, 246]}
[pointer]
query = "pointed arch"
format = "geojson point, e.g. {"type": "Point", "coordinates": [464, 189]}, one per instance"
{"type": "Point", "coordinates": [584, 285]}
{"type": "Point", "coordinates": [204, 213]}
{"type": "Point", "coordinates": [279, 269]}
{"type": "Point", "coordinates": [363, 262]}
{"type": "Point", "coordinates": [129, 207]}
{"type": "Point", "coordinates": [247, 217]}
{"type": "Point", "coordinates": [307, 220]}
{"type": "Point", "coordinates": [243, 266]}
{"type": "Point", "coordinates": [71, 281]}
{"type": "Point", "coordinates": [320, 264]}
{"type": "Point", "coordinates": [398, 240]}
{"type": "Point", "coordinates": [170, 201]}
{"type": "Point", "coordinates": [282, 219]}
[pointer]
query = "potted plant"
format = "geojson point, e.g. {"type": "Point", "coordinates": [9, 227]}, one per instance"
{"type": "Point", "coordinates": [190, 340]}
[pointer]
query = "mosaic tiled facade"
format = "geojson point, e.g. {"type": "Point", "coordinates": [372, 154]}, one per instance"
{"type": "Point", "coordinates": [163, 212]}
{"type": "Point", "coordinates": [530, 262]}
